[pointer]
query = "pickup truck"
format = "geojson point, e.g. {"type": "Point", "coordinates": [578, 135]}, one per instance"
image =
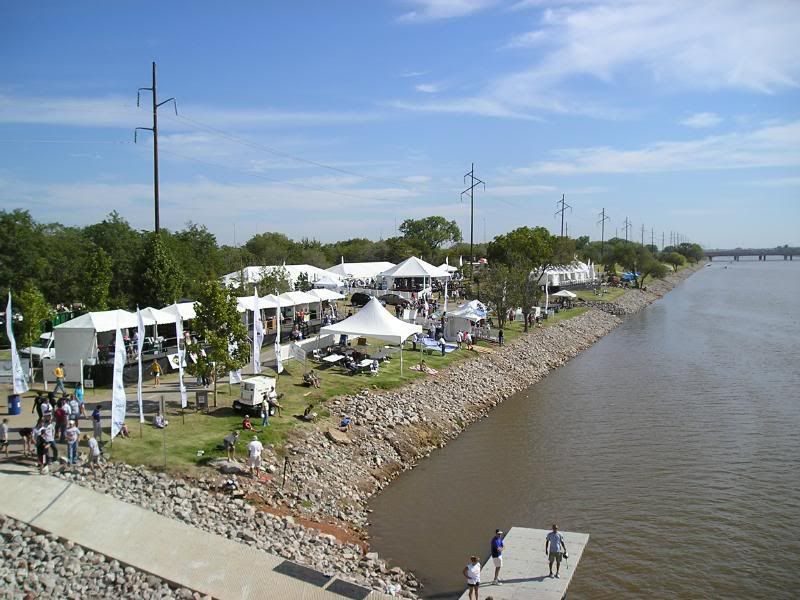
{"type": "Point", "coordinates": [43, 349]}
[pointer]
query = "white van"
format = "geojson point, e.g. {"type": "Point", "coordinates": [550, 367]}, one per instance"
{"type": "Point", "coordinates": [253, 392]}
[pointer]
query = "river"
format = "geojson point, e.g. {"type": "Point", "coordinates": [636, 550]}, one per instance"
{"type": "Point", "coordinates": [674, 442]}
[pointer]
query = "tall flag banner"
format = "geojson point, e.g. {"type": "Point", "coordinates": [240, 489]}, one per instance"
{"type": "Point", "coordinates": [118, 399]}
{"type": "Point", "coordinates": [546, 294]}
{"type": "Point", "coordinates": [181, 354]}
{"type": "Point", "coordinates": [139, 346]}
{"type": "Point", "coordinates": [234, 377]}
{"type": "Point", "coordinates": [445, 294]}
{"type": "Point", "coordinates": [278, 358]}
{"type": "Point", "coordinates": [17, 374]}
{"type": "Point", "coordinates": [258, 335]}
{"type": "Point", "coordinates": [460, 261]}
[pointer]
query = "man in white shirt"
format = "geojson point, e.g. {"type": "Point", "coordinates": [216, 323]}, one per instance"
{"type": "Point", "coordinates": [94, 451]}
{"type": "Point", "coordinates": [254, 450]}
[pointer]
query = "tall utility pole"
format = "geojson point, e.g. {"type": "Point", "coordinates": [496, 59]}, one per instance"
{"type": "Point", "coordinates": [627, 224]}
{"type": "Point", "coordinates": [642, 234]}
{"type": "Point", "coordinates": [154, 129]}
{"type": "Point", "coordinates": [602, 222]}
{"type": "Point", "coordinates": [652, 237]}
{"type": "Point", "coordinates": [561, 211]}
{"type": "Point", "coordinates": [662, 241]}
{"type": "Point", "coordinates": [474, 182]}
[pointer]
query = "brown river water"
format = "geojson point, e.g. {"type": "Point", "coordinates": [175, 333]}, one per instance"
{"type": "Point", "coordinates": [674, 442]}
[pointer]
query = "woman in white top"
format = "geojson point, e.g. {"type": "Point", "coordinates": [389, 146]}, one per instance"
{"type": "Point", "coordinates": [473, 574]}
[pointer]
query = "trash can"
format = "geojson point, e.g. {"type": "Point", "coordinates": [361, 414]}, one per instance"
{"type": "Point", "coordinates": [201, 400]}
{"type": "Point", "coordinates": [14, 404]}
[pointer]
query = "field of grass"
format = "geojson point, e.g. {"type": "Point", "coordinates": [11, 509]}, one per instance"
{"type": "Point", "coordinates": [611, 294]}
{"type": "Point", "coordinates": [189, 432]}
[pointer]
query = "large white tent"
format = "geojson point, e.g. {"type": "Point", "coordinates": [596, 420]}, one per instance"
{"type": "Point", "coordinates": [184, 309]}
{"type": "Point", "coordinates": [574, 272]}
{"type": "Point", "coordinates": [155, 316]}
{"type": "Point", "coordinates": [254, 274]}
{"type": "Point", "coordinates": [326, 295]}
{"type": "Point", "coordinates": [415, 267]}
{"type": "Point", "coordinates": [374, 321]}
{"type": "Point", "coordinates": [360, 270]}
{"type": "Point", "coordinates": [462, 317]}
{"type": "Point", "coordinates": [76, 339]}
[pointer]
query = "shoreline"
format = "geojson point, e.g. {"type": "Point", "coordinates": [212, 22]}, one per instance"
{"type": "Point", "coordinates": [330, 485]}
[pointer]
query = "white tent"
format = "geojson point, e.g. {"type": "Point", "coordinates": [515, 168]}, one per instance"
{"type": "Point", "coordinates": [184, 309]}
{"type": "Point", "coordinates": [374, 321]}
{"type": "Point", "coordinates": [326, 295]}
{"type": "Point", "coordinates": [416, 267]}
{"type": "Point", "coordinates": [329, 280]}
{"type": "Point", "coordinates": [359, 270]}
{"type": "Point", "coordinates": [564, 294]}
{"type": "Point", "coordinates": [298, 298]}
{"type": "Point", "coordinates": [155, 316]}
{"type": "Point", "coordinates": [76, 340]}
{"type": "Point", "coordinates": [472, 310]}
{"type": "Point", "coordinates": [448, 268]}
{"type": "Point", "coordinates": [254, 274]}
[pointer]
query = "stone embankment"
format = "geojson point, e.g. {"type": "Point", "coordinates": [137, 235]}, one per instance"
{"type": "Point", "coordinates": [333, 481]}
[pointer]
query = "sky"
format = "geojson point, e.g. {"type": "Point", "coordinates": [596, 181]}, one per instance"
{"type": "Point", "coordinates": [339, 119]}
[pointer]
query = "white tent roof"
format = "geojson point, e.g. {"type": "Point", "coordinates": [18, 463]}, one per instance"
{"type": "Point", "coordinates": [472, 310]}
{"type": "Point", "coordinates": [448, 268]}
{"type": "Point", "coordinates": [184, 309]}
{"type": "Point", "coordinates": [329, 280]}
{"type": "Point", "coordinates": [244, 303]}
{"type": "Point", "coordinates": [104, 320]}
{"type": "Point", "coordinates": [324, 294]}
{"type": "Point", "coordinates": [253, 274]}
{"type": "Point", "coordinates": [298, 298]}
{"type": "Point", "coordinates": [374, 321]}
{"type": "Point", "coordinates": [564, 294]}
{"type": "Point", "coordinates": [415, 267]}
{"type": "Point", "coordinates": [360, 270]}
{"type": "Point", "coordinates": [155, 316]}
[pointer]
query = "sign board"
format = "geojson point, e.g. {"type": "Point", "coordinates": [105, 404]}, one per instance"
{"type": "Point", "coordinates": [88, 383]}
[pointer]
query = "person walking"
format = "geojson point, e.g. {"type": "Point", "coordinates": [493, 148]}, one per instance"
{"type": "Point", "coordinates": [59, 375]}
{"type": "Point", "coordinates": [37, 404]}
{"type": "Point", "coordinates": [472, 572]}
{"type": "Point", "coordinates": [79, 398]}
{"type": "Point", "coordinates": [229, 442]}
{"type": "Point", "coordinates": [4, 436]}
{"type": "Point", "coordinates": [500, 336]}
{"type": "Point", "coordinates": [94, 451]}
{"type": "Point", "coordinates": [155, 370]}
{"type": "Point", "coordinates": [96, 425]}
{"type": "Point", "coordinates": [555, 548]}
{"type": "Point", "coordinates": [254, 450]}
{"type": "Point", "coordinates": [497, 546]}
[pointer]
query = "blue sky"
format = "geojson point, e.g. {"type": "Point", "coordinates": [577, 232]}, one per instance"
{"type": "Point", "coordinates": [340, 119]}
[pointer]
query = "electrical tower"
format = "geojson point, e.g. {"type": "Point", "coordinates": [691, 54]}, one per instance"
{"type": "Point", "coordinates": [561, 211]}
{"type": "Point", "coordinates": [474, 182]}
{"type": "Point", "coordinates": [642, 234]}
{"type": "Point", "coordinates": [602, 222]}
{"type": "Point", "coordinates": [154, 129]}
{"type": "Point", "coordinates": [628, 225]}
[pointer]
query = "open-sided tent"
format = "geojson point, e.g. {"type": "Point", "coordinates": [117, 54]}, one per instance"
{"type": "Point", "coordinates": [155, 316]}
{"type": "Point", "coordinates": [76, 339]}
{"type": "Point", "coordinates": [359, 270]}
{"type": "Point", "coordinates": [564, 294]}
{"type": "Point", "coordinates": [254, 274]}
{"type": "Point", "coordinates": [461, 318]}
{"type": "Point", "coordinates": [184, 309]}
{"type": "Point", "coordinates": [374, 321]}
{"type": "Point", "coordinates": [416, 267]}
{"type": "Point", "coordinates": [449, 268]}
{"type": "Point", "coordinates": [326, 295]}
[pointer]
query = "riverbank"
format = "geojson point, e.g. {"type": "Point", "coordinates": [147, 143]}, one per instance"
{"type": "Point", "coordinates": [317, 516]}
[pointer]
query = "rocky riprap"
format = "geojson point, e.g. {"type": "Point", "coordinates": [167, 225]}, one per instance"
{"type": "Point", "coordinates": [36, 565]}
{"type": "Point", "coordinates": [204, 504]}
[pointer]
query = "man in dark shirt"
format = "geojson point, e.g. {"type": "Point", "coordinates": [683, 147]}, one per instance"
{"type": "Point", "coordinates": [497, 555]}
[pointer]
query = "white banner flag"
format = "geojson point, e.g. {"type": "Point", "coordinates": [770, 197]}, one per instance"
{"type": "Point", "coordinates": [139, 345]}
{"type": "Point", "coordinates": [258, 334]}
{"type": "Point", "coordinates": [118, 399]}
{"type": "Point", "coordinates": [235, 377]}
{"type": "Point", "coordinates": [278, 358]}
{"type": "Point", "coordinates": [181, 355]}
{"type": "Point", "coordinates": [20, 382]}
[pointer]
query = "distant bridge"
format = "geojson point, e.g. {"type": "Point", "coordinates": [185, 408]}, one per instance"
{"type": "Point", "coordinates": [762, 253]}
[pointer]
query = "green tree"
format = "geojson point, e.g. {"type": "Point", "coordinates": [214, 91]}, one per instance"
{"type": "Point", "coordinates": [270, 248]}
{"type": "Point", "coordinates": [21, 245]}
{"type": "Point", "coordinates": [275, 280]}
{"type": "Point", "coordinates": [199, 259]}
{"type": "Point", "coordinates": [303, 284]}
{"type": "Point", "coordinates": [673, 258]}
{"type": "Point", "coordinates": [430, 232]}
{"type": "Point", "coordinates": [97, 279]}
{"type": "Point", "coordinates": [35, 311]}
{"type": "Point", "coordinates": [497, 290]}
{"type": "Point", "coordinates": [160, 280]}
{"type": "Point", "coordinates": [692, 252]}
{"type": "Point", "coordinates": [221, 333]}
{"type": "Point", "coordinates": [652, 267]}
{"type": "Point", "coordinates": [124, 245]}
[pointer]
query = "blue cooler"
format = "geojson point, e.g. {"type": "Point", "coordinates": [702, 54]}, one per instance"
{"type": "Point", "coordinates": [14, 404]}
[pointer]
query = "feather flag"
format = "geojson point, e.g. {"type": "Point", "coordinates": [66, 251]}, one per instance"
{"type": "Point", "coordinates": [258, 334]}
{"type": "Point", "coordinates": [139, 346]}
{"type": "Point", "coordinates": [278, 358]}
{"type": "Point", "coordinates": [181, 355]}
{"type": "Point", "coordinates": [118, 400]}
{"type": "Point", "coordinates": [20, 382]}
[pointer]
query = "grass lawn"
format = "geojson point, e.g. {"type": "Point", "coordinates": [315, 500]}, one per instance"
{"type": "Point", "coordinates": [192, 431]}
{"type": "Point", "coordinates": [611, 294]}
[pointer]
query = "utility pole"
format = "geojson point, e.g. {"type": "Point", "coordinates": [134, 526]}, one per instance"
{"type": "Point", "coordinates": [652, 238]}
{"type": "Point", "coordinates": [474, 182]}
{"type": "Point", "coordinates": [642, 234]}
{"type": "Point", "coordinates": [602, 222]}
{"type": "Point", "coordinates": [627, 224]}
{"type": "Point", "coordinates": [154, 129]}
{"type": "Point", "coordinates": [561, 211]}
{"type": "Point", "coordinates": [662, 241]}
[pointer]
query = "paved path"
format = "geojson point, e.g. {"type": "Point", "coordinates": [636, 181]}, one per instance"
{"type": "Point", "coordinates": [525, 569]}
{"type": "Point", "coordinates": [176, 552]}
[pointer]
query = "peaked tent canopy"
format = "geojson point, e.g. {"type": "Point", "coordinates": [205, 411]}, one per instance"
{"type": "Point", "coordinates": [564, 294]}
{"type": "Point", "coordinates": [155, 316]}
{"type": "Point", "coordinates": [472, 311]}
{"type": "Point", "coordinates": [76, 339]}
{"type": "Point", "coordinates": [100, 321]}
{"type": "Point", "coordinates": [374, 321]}
{"type": "Point", "coordinates": [359, 270]}
{"type": "Point", "coordinates": [323, 294]}
{"type": "Point", "coordinates": [415, 267]}
{"type": "Point", "coordinates": [184, 309]}
{"type": "Point", "coordinates": [448, 268]}
{"type": "Point", "coordinates": [298, 298]}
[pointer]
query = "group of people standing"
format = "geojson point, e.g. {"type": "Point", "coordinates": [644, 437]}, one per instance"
{"type": "Point", "coordinates": [554, 547]}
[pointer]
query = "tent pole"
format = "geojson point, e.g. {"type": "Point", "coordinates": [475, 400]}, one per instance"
{"type": "Point", "coordinates": [401, 360]}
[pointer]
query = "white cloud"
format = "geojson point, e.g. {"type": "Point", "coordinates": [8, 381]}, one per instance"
{"type": "Point", "coordinates": [413, 74]}
{"type": "Point", "coordinates": [428, 88]}
{"type": "Point", "coordinates": [774, 146]}
{"type": "Point", "coordinates": [776, 182]}
{"type": "Point", "coordinates": [670, 47]}
{"type": "Point", "coordinates": [121, 112]}
{"type": "Point", "coordinates": [417, 179]}
{"type": "Point", "coordinates": [702, 120]}
{"type": "Point", "coordinates": [434, 10]}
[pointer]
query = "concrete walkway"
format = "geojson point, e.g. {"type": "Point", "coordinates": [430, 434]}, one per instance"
{"type": "Point", "coordinates": [172, 550]}
{"type": "Point", "coordinates": [525, 570]}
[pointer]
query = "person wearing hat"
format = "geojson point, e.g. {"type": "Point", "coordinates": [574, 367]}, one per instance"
{"type": "Point", "coordinates": [472, 572]}
{"type": "Point", "coordinates": [497, 555]}
{"type": "Point", "coordinates": [72, 434]}
{"type": "Point", "coordinates": [254, 450]}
